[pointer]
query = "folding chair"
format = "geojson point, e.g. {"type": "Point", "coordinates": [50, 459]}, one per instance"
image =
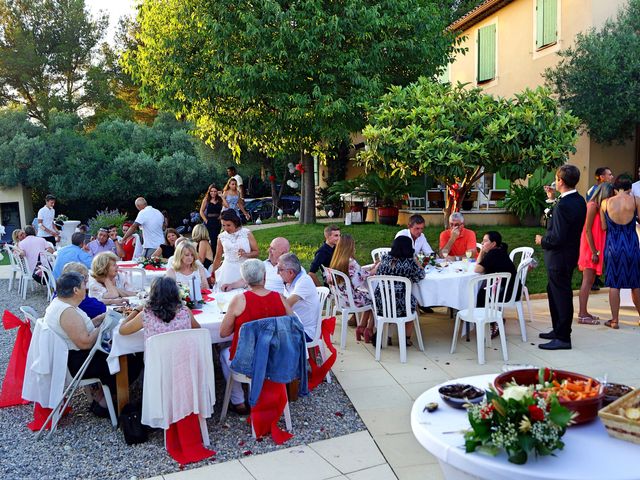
{"type": "Point", "coordinates": [73, 383]}
{"type": "Point", "coordinates": [386, 286]}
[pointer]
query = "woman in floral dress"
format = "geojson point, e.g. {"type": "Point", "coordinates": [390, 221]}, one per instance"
{"type": "Point", "coordinates": [344, 261]}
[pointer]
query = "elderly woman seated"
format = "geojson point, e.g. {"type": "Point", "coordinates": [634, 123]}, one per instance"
{"type": "Point", "coordinates": [79, 332]}
{"type": "Point", "coordinates": [163, 313]}
{"type": "Point", "coordinates": [255, 304]}
{"type": "Point", "coordinates": [106, 284]}
{"type": "Point", "coordinates": [91, 306]}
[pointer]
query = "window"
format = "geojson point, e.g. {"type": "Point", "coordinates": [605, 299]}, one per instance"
{"type": "Point", "coordinates": [486, 53]}
{"type": "Point", "coordinates": [546, 23]}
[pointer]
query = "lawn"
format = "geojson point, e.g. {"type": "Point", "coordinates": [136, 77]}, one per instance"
{"type": "Point", "coordinates": [305, 239]}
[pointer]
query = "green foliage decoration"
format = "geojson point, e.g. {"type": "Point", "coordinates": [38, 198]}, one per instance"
{"type": "Point", "coordinates": [106, 218]}
{"type": "Point", "coordinates": [526, 200]}
{"type": "Point", "coordinates": [456, 133]}
{"type": "Point", "coordinates": [597, 77]}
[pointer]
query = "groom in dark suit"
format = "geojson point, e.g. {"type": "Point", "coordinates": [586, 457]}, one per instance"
{"type": "Point", "coordinates": [561, 246]}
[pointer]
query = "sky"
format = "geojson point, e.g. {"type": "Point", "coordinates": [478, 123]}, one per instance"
{"type": "Point", "coordinates": [115, 9]}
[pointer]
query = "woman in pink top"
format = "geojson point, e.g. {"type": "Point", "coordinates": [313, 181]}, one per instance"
{"type": "Point", "coordinates": [163, 313]}
{"type": "Point", "coordinates": [592, 250]}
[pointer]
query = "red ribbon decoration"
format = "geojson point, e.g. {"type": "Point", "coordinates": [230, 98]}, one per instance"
{"type": "Point", "coordinates": [272, 178]}
{"type": "Point", "coordinates": [300, 168]}
{"type": "Point", "coordinates": [318, 372]}
{"type": "Point", "coordinates": [184, 441]}
{"type": "Point", "coordinates": [155, 269]}
{"type": "Point", "coordinates": [14, 377]}
{"type": "Point", "coordinates": [268, 410]}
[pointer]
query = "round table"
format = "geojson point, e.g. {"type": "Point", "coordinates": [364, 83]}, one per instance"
{"type": "Point", "coordinates": [446, 287]}
{"type": "Point", "coordinates": [589, 452]}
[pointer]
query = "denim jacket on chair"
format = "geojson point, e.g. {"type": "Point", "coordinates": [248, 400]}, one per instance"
{"type": "Point", "coordinates": [273, 348]}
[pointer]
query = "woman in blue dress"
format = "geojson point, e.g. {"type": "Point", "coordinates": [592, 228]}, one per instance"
{"type": "Point", "coordinates": [622, 249]}
{"type": "Point", "coordinates": [232, 199]}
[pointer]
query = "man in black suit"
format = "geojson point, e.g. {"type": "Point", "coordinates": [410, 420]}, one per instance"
{"type": "Point", "coordinates": [561, 246]}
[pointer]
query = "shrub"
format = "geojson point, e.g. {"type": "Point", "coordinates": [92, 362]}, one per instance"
{"type": "Point", "coordinates": [105, 218]}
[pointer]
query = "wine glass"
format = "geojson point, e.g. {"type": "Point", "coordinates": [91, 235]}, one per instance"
{"type": "Point", "coordinates": [445, 254]}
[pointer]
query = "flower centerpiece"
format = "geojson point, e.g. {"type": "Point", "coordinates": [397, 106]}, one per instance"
{"type": "Point", "coordinates": [521, 421]}
{"type": "Point", "coordinates": [427, 260]}
{"type": "Point", "coordinates": [185, 296]}
{"type": "Point", "coordinates": [153, 261]}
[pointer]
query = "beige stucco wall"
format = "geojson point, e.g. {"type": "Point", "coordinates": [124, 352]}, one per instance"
{"type": "Point", "coordinates": [23, 197]}
{"type": "Point", "coordinates": [519, 65]}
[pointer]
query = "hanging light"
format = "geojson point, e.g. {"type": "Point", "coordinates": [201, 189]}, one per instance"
{"type": "Point", "coordinates": [330, 213]}
{"type": "Point", "coordinates": [259, 221]}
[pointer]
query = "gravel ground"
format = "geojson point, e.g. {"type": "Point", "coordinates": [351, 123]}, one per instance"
{"type": "Point", "coordinates": [85, 446]}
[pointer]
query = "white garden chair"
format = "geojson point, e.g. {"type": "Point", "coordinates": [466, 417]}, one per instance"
{"type": "Point", "coordinates": [26, 278]}
{"type": "Point", "coordinates": [47, 259]}
{"type": "Point", "coordinates": [30, 315]}
{"type": "Point", "coordinates": [49, 281]}
{"type": "Point", "coordinates": [483, 316]}
{"type": "Point", "coordinates": [377, 253]}
{"type": "Point", "coordinates": [526, 253]}
{"type": "Point", "coordinates": [325, 311]}
{"type": "Point", "coordinates": [15, 267]}
{"type": "Point", "coordinates": [516, 300]}
{"type": "Point", "coordinates": [388, 313]}
{"type": "Point", "coordinates": [136, 277]}
{"type": "Point", "coordinates": [344, 301]}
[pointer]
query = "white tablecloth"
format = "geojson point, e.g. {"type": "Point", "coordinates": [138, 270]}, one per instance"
{"type": "Point", "coordinates": [589, 453]}
{"type": "Point", "coordinates": [448, 287]}
{"type": "Point", "coordinates": [210, 318]}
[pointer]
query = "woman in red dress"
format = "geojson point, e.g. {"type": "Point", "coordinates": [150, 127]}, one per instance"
{"type": "Point", "coordinates": [254, 304]}
{"type": "Point", "coordinates": [592, 250]}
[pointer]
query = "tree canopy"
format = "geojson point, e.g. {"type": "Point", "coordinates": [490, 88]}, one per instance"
{"type": "Point", "coordinates": [46, 47]}
{"type": "Point", "coordinates": [457, 133]}
{"type": "Point", "coordinates": [282, 76]}
{"type": "Point", "coordinates": [108, 166]}
{"type": "Point", "coordinates": [598, 78]}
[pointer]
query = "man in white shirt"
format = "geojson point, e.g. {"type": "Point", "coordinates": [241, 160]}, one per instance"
{"type": "Point", "coordinates": [151, 221]}
{"type": "Point", "coordinates": [46, 215]}
{"type": "Point", "coordinates": [233, 173]}
{"type": "Point", "coordinates": [414, 232]}
{"type": "Point", "coordinates": [300, 292]}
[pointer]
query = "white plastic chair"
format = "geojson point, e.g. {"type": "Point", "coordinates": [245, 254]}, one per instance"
{"type": "Point", "coordinates": [238, 377]}
{"type": "Point", "coordinates": [483, 316]}
{"type": "Point", "coordinates": [193, 381]}
{"type": "Point", "coordinates": [49, 281]}
{"type": "Point", "coordinates": [377, 253]}
{"type": "Point", "coordinates": [526, 253]}
{"type": "Point", "coordinates": [325, 311]}
{"type": "Point", "coordinates": [31, 315]}
{"type": "Point", "coordinates": [15, 268]}
{"type": "Point", "coordinates": [25, 276]}
{"type": "Point", "coordinates": [133, 275]}
{"type": "Point", "coordinates": [417, 203]}
{"type": "Point", "coordinates": [344, 301]}
{"type": "Point", "coordinates": [47, 259]}
{"type": "Point", "coordinates": [75, 382]}
{"type": "Point", "coordinates": [386, 286]}
{"type": "Point", "coordinates": [515, 301]}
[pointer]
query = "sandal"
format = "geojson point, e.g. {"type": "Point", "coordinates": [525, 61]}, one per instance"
{"type": "Point", "coordinates": [589, 320]}
{"type": "Point", "coordinates": [612, 324]}
{"type": "Point", "coordinates": [240, 409]}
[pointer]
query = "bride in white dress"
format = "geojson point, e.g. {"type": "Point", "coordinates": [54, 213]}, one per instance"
{"type": "Point", "coordinates": [235, 244]}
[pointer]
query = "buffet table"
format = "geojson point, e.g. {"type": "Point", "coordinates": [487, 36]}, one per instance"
{"type": "Point", "coordinates": [589, 453]}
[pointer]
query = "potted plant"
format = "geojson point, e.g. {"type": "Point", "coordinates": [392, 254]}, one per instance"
{"type": "Point", "coordinates": [389, 192]}
{"type": "Point", "coordinates": [527, 203]}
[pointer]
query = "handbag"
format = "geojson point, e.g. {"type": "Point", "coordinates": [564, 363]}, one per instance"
{"type": "Point", "coordinates": [132, 428]}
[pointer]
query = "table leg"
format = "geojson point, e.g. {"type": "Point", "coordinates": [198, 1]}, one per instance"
{"type": "Point", "coordinates": [122, 383]}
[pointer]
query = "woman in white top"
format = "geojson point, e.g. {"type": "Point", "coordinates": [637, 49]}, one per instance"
{"type": "Point", "coordinates": [80, 333]}
{"type": "Point", "coordinates": [106, 284]}
{"type": "Point", "coordinates": [185, 270]}
{"type": "Point", "coordinates": [236, 244]}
